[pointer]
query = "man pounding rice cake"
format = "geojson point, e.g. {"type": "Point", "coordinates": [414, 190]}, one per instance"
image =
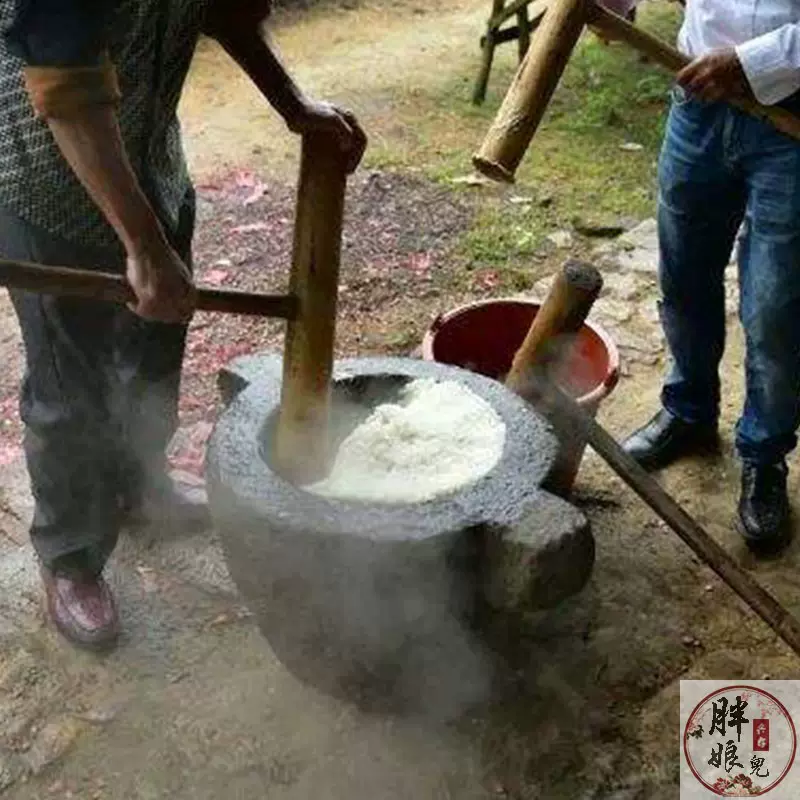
{"type": "Point", "coordinates": [94, 176]}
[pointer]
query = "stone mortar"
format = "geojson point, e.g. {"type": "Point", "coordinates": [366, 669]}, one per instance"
{"type": "Point", "coordinates": [376, 602]}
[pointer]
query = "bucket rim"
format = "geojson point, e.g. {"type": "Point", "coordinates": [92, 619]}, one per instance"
{"type": "Point", "coordinates": [593, 398]}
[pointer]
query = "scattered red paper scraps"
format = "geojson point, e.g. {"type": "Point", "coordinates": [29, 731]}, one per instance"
{"type": "Point", "coordinates": [10, 452]}
{"type": "Point", "coordinates": [188, 449]}
{"type": "Point", "coordinates": [215, 277]}
{"type": "Point", "coordinates": [258, 192]}
{"type": "Point", "coordinates": [245, 179]}
{"type": "Point", "coordinates": [420, 263]}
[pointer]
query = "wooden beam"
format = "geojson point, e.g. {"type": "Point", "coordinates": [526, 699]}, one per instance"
{"type": "Point", "coordinates": [524, 33]}
{"type": "Point", "coordinates": [535, 10]}
{"type": "Point", "coordinates": [511, 34]}
{"type": "Point", "coordinates": [488, 43]}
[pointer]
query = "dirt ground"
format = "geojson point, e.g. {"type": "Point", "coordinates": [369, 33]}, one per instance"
{"type": "Point", "coordinates": [193, 705]}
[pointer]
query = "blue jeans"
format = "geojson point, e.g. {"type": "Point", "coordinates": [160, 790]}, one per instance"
{"type": "Point", "coordinates": [720, 168]}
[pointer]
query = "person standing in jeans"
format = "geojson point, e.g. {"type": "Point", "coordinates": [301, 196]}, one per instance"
{"type": "Point", "coordinates": [94, 176]}
{"type": "Point", "coordinates": [722, 171]}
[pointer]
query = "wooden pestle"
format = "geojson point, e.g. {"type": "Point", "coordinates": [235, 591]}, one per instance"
{"type": "Point", "coordinates": [533, 86]}
{"type": "Point", "coordinates": [301, 447]}
{"type": "Point", "coordinates": [537, 77]}
{"type": "Point", "coordinates": [546, 349]}
{"type": "Point", "coordinates": [550, 338]}
{"type": "Point", "coordinates": [547, 345]}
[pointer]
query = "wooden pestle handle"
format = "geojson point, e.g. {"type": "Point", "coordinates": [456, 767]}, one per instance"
{"type": "Point", "coordinates": [671, 59]}
{"type": "Point", "coordinates": [301, 446]}
{"type": "Point", "coordinates": [112, 288]}
{"type": "Point", "coordinates": [562, 314]}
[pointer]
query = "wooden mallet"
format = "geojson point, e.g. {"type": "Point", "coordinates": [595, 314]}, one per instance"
{"type": "Point", "coordinates": [301, 445]}
{"type": "Point", "coordinates": [538, 75]}
{"type": "Point", "coordinates": [534, 377]}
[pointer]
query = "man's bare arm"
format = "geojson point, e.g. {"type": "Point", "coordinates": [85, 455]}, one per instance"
{"type": "Point", "coordinates": [237, 28]}
{"type": "Point", "coordinates": [72, 86]}
{"type": "Point", "coordinates": [91, 143]}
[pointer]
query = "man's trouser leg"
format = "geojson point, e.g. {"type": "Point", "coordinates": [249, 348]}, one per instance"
{"type": "Point", "coordinates": [769, 268]}
{"type": "Point", "coordinates": [71, 440]}
{"type": "Point", "coordinates": [148, 357]}
{"type": "Point", "coordinates": [701, 203]}
{"type": "Point", "coordinates": [99, 400]}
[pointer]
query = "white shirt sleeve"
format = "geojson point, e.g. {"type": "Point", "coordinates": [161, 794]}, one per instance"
{"type": "Point", "coordinates": [772, 63]}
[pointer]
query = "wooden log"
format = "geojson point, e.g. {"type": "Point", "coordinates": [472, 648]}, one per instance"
{"type": "Point", "coordinates": [527, 98]}
{"type": "Point", "coordinates": [550, 338]}
{"type": "Point", "coordinates": [613, 26]}
{"type": "Point", "coordinates": [107, 287]}
{"type": "Point", "coordinates": [301, 450]}
{"type": "Point", "coordinates": [511, 34]}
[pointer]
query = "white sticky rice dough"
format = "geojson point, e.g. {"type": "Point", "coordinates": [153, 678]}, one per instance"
{"type": "Point", "coordinates": [437, 437]}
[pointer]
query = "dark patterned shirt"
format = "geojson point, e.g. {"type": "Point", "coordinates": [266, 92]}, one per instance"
{"type": "Point", "coordinates": [151, 43]}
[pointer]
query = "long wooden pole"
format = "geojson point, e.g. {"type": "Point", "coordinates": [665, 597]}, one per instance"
{"type": "Point", "coordinates": [616, 27]}
{"type": "Point", "coordinates": [519, 116]}
{"type": "Point", "coordinates": [527, 98]}
{"type": "Point", "coordinates": [567, 302]}
{"type": "Point", "coordinates": [112, 288]}
{"type": "Point", "coordinates": [301, 442]}
{"type": "Point", "coordinates": [688, 529]}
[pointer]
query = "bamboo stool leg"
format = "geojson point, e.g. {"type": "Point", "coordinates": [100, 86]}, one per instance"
{"type": "Point", "coordinates": [524, 41]}
{"type": "Point", "coordinates": [301, 450]}
{"type": "Point", "coordinates": [479, 93]}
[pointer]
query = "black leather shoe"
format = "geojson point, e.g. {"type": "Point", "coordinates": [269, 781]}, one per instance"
{"type": "Point", "coordinates": [666, 439]}
{"type": "Point", "coordinates": [764, 519]}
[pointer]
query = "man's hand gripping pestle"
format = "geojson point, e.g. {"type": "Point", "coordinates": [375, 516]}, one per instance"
{"type": "Point", "coordinates": [533, 376]}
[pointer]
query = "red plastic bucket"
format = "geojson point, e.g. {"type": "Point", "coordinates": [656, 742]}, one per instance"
{"type": "Point", "coordinates": [484, 336]}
